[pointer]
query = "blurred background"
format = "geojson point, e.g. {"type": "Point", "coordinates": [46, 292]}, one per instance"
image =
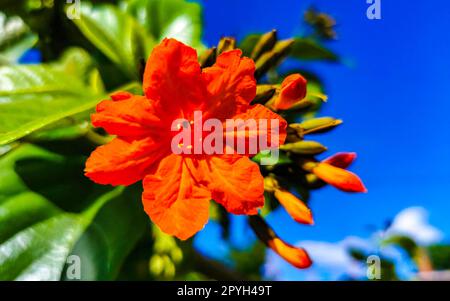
{"type": "Point", "coordinates": [390, 86]}
{"type": "Point", "coordinates": [390, 90]}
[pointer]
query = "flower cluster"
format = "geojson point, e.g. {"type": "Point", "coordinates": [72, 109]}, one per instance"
{"type": "Point", "coordinates": [221, 84]}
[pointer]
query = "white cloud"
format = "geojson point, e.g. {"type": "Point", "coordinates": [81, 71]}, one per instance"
{"type": "Point", "coordinates": [332, 261]}
{"type": "Point", "coordinates": [413, 222]}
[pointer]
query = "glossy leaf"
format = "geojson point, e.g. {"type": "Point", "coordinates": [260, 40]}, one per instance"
{"type": "Point", "coordinates": [33, 96]}
{"type": "Point", "coordinates": [36, 236]}
{"type": "Point", "coordinates": [177, 19]}
{"type": "Point", "coordinates": [117, 35]}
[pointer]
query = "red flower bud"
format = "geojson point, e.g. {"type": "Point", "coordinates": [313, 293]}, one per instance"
{"type": "Point", "coordinates": [293, 89]}
{"type": "Point", "coordinates": [341, 160]}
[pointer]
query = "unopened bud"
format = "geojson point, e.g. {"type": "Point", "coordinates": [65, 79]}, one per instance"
{"type": "Point", "coordinates": [272, 58]}
{"type": "Point", "coordinates": [265, 43]}
{"type": "Point", "coordinates": [264, 93]}
{"type": "Point", "coordinates": [225, 44]}
{"type": "Point", "coordinates": [304, 147]}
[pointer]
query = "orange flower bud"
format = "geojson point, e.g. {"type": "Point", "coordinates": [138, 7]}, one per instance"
{"type": "Point", "coordinates": [298, 257]}
{"type": "Point", "coordinates": [294, 206]}
{"type": "Point", "coordinates": [341, 160]}
{"type": "Point", "coordinates": [293, 89]}
{"type": "Point", "coordinates": [339, 178]}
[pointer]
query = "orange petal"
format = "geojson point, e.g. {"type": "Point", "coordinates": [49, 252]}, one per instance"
{"type": "Point", "coordinates": [293, 89]}
{"type": "Point", "coordinates": [275, 135]}
{"type": "Point", "coordinates": [339, 178]}
{"type": "Point", "coordinates": [172, 77]}
{"type": "Point", "coordinates": [128, 115]}
{"type": "Point", "coordinates": [294, 206]}
{"type": "Point", "coordinates": [122, 162]}
{"type": "Point", "coordinates": [235, 182]}
{"type": "Point", "coordinates": [298, 257]}
{"type": "Point", "coordinates": [230, 83]}
{"type": "Point", "coordinates": [173, 199]}
{"type": "Point", "coordinates": [341, 160]}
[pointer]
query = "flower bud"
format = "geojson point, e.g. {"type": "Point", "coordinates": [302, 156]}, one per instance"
{"type": "Point", "coordinates": [304, 147]}
{"type": "Point", "coordinates": [294, 206]}
{"type": "Point", "coordinates": [225, 44]}
{"type": "Point", "coordinates": [264, 93]}
{"type": "Point", "coordinates": [341, 160]}
{"type": "Point", "coordinates": [293, 89]}
{"type": "Point", "coordinates": [271, 59]}
{"type": "Point", "coordinates": [316, 125]}
{"type": "Point", "coordinates": [296, 256]}
{"type": "Point", "coordinates": [339, 178]}
{"type": "Point", "coordinates": [264, 44]}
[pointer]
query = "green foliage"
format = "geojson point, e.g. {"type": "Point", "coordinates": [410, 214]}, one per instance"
{"type": "Point", "coordinates": [15, 39]}
{"type": "Point", "coordinates": [34, 96]}
{"type": "Point", "coordinates": [440, 256]}
{"type": "Point", "coordinates": [117, 35]}
{"type": "Point", "coordinates": [309, 49]}
{"type": "Point", "coordinates": [169, 18]}
{"type": "Point", "coordinates": [48, 209]}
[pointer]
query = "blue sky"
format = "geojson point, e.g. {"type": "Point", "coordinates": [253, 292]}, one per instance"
{"type": "Point", "coordinates": [392, 93]}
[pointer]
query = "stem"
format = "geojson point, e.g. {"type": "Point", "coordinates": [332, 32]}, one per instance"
{"type": "Point", "coordinates": [97, 139]}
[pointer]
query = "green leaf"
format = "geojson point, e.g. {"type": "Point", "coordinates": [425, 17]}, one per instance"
{"type": "Point", "coordinates": [111, 237]}
{"type": "Point", "coordinates": [15, 39]}
{"type": "Point", "coordinates": [33, 96]}
{"type": "Point", "coordinates": [39, 252]}
{"type": "Point", "coordinates": [42, 222]}
{"type": "Point", "coordinates": [177, 19]}
{"type": "Point", "coordinates": [117, 35]}
{"type": "Point", "coordinates": [307, 49]}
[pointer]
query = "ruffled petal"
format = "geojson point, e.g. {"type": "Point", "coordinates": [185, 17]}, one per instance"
{"type": "Point", "coordinates": [172, 77]}
{"type": "Point", "coordinates": [266, 130]}
{"type": "Point", "coordinates": [122, 162]}
{"type": "Point", "coordinates": [174, 201]}
{"type": "Point", "coordinates": [235, 182]}
{"type": "Point", "coordinates": [230, 83]}
{"type": "Point", "coordinates": [127, 115]}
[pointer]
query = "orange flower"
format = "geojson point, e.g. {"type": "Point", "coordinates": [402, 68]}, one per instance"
{"type": "Point", "coordinates": [293, 89]}
{"type": "Point", "coordinates": [331, 170]}
{"type": "Point", "coordinates": [178, 188]}
{"type": "Point", "coordinates": [294, 206]}
{"type": "Point", "coordinates": [296, 256]}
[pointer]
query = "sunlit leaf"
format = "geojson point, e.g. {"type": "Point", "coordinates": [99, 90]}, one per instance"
{"type": "Point", "coordinates": [307, 49]}
{"type": "Point", "coordinates": [117, 35]}
{"type": "Point", "coordinates": [33, 96]}
{"type": "Point", "coordinates": [36, 236]}
{"type": "Point", "coordinates": [177, 19]}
